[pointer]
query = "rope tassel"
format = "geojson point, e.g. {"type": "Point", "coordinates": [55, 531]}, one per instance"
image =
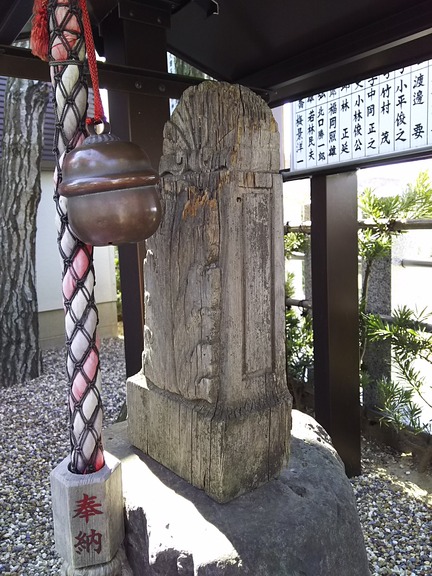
{"type": "Point", "coordinates": [39, 38]}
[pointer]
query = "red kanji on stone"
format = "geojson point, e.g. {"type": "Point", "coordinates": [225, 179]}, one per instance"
{"type": "Point", "coordinates": [87, 507]}
{"type": "Point", "coordinates": [87, 542]}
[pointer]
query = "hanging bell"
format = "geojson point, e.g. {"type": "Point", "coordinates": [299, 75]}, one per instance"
{"type": "Point", "coordinates": [110, 189]}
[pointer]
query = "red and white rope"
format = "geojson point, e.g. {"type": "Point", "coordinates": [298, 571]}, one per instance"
{"type": "Point", "coordinates": [66, 56]}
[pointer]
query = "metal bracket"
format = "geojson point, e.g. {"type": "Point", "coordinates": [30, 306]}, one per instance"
{"type": "Point", "coordinates": [155, 14]}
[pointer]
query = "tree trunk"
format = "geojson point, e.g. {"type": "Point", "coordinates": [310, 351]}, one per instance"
{"type": "Point", "coordinates": [20, 190]}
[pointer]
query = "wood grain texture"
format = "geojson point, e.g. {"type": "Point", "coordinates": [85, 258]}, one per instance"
{"type": "Point", "coordinates": [212, 397]}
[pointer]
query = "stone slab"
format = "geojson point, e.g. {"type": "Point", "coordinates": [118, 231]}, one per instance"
{"type": "Point", "coordinates": [304, 523]}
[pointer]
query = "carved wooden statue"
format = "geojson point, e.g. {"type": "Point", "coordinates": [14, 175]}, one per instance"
{"type": "Point", "coordinates": [211, 402]}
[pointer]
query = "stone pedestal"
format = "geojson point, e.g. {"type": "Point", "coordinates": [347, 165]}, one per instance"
{"type": "Point", "coordinates": [377, 359]}
{"type": "Point", "coordinates": [211, 402]}
{"type": "Point", "coordinates": [304, 523]}
{"type": "Point", "coordinates": [88, 514]}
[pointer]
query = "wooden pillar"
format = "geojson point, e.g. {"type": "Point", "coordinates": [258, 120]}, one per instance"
{"type": "Point", "coordinates": [335, 312]}
{"type": "Point", "coordinates": [212, 403]}
{"type": "Point", "coordinates": [136, 36]}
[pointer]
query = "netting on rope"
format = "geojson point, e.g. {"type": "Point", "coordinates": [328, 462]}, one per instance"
{"type": "Point", "coordinates": [67, 60]}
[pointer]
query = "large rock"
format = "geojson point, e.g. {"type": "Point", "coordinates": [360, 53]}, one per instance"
{"type": "Point", "coordinates": [304, 523]}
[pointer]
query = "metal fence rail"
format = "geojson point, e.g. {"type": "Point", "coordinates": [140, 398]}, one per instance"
{"type": "Point", "coordinates": [393, 225]}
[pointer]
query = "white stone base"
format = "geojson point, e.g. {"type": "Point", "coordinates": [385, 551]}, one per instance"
{"type": "Point", "coordinates": [88, 514]}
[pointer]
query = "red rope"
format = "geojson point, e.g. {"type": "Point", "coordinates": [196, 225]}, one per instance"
{"type": "Point", "coordinates": [39, 38]}
{"type": "Point", "coordinates": [40, 48]}
{"type": "Point", "coordinates": [99, 115]}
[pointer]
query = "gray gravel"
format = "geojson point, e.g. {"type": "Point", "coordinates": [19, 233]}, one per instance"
{"type": "Point", "coordinates": [33, 437]}
{"type": "Point", "coordinates": [395, 513]}
{"type": "Point", "coordinates": [33, 440]}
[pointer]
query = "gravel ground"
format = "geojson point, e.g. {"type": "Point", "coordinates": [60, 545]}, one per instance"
{"type": "Point", "coordinates": [395, 515]}
{"type": "Point", "coordinates": [30, 415]}
{"type": "Point", "coordinates": [395, 508]}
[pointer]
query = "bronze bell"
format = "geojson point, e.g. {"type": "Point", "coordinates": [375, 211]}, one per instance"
{"type": "Point", "coordinates": [110, 188]}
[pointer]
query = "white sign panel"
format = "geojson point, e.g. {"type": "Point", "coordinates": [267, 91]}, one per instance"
{"type": "Point", "coordinates": [382, 115]}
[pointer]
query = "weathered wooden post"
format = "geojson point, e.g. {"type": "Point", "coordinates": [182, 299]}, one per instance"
{"type": "Point", "coordinates": [211, 402]}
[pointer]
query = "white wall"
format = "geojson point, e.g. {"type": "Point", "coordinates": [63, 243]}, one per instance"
{"type": "Point", "coordinates": [48, 261]}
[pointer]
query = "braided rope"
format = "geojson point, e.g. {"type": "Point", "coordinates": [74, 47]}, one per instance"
{"type": "Point", "coordinates": [67, 59]}
{"type": "Point", "coordinates": [99, 115]}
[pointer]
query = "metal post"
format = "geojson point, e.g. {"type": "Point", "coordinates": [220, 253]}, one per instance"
{"type": "Point", "coordinates": [131, 41]}
{"type": "Point", "coordinates": [335, 312]}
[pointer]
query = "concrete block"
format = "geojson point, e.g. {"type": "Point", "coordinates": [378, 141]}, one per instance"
{"type": "Point", "coordinates": [88, 513]}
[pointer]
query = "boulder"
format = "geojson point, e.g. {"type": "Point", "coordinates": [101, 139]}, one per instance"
{"type": "Point", "coordinates": [303, 523]}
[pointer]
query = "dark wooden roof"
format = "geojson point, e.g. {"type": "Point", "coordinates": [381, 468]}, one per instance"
{"type": "Point", "coordinates": [289, 48]}
{"type": "Point", "coordinates": [13, 17]}
{"type": "Point", "coordinates": [280, 45]}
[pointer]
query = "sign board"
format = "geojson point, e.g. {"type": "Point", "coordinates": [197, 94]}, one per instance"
{"type": "Point", "coordinates": [379, 116]}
